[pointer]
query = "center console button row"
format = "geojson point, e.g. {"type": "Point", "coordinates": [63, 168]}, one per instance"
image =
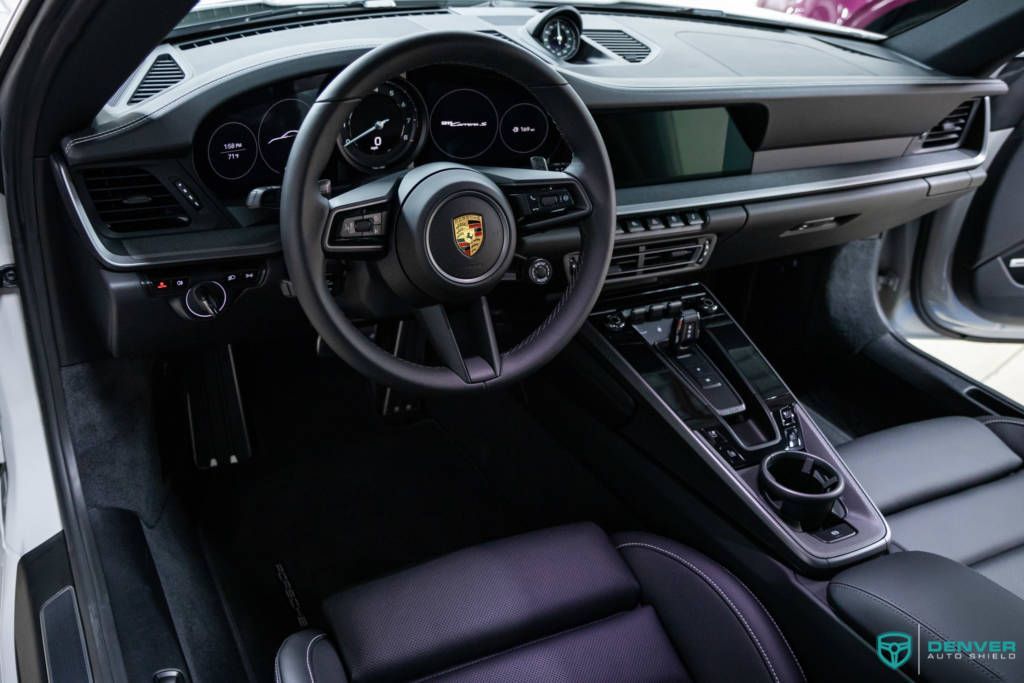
{"type": "Point", "coordinates": [694, 219]}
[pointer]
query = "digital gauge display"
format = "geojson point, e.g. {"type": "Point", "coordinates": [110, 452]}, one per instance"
{"type": "Point", "coordinates": [464, 123]}
{"type": "Point", "coordinates": [278, 128]}
{"type": "Point", "coordinates": [383, 128]}
{"type": "Point", "coordinates": [231, 150]}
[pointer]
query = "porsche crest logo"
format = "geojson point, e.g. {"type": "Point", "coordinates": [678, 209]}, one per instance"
{"type": "Point", "coordinates": [468, 230]}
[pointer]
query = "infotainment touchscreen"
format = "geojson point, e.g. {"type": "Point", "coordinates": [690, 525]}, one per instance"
{"type": "Point", "coordinates": [650, 147]}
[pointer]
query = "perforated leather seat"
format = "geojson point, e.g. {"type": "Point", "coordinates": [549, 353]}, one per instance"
{"type": "Point", "coordinates": [563, 604]}
{"type": "Point", "coordinates": [952, 486]}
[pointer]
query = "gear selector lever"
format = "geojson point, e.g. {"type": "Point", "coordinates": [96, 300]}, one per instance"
{"type": "Point", "coordinates": [685, 329]}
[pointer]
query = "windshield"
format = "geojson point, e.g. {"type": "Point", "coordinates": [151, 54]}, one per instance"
{"type": "Point", "coordinates": [863, 18]}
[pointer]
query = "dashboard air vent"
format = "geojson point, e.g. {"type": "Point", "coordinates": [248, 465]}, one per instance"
{"type": "Point", "coordinates": [619, 43]}
{"type": "Point", "coordinates": [950, 130]}
{"type": "Point", "coordinates": [274, 28]}
{"type": "Point", "coordinates": [162, 74]}
{"type": "Point", "coordinates": [130, 199]}
{"type": "Point", "coordinates": [661, 257]}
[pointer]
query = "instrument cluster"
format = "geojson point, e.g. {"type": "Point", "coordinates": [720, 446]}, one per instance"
{"type": "Point", "coordinates": [464, 114]}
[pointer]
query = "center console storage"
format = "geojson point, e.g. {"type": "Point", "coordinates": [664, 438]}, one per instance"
{"type": "Point", "coordinates": [691, 362]}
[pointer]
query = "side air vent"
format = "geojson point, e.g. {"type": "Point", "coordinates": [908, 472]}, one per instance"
{"type": "Point", "coordinates": [950, 130]}
{"type": "Point", "coordinates": [274, 28]}
{"type": "Point", "coordinates": [660, 257]}
{"type": "Point", "coordinates": [163, 73]}
{"type": "Point", "coordinates": [619, 43]}
{"type": "Point", "coordinates": [131, 199]}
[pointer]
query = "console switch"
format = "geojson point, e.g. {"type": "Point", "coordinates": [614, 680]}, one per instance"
{"type": "Point", "coordinates": [835, 533]}
{"type": "Point", "coordinates": [722, 445]}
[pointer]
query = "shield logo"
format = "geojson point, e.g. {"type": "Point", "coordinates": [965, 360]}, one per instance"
{"type": "Point", "coordinates": [468, 230]}
{"type": "Point", "coordinates": [893, 648]}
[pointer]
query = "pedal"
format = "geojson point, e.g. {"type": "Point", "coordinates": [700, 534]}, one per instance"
{"type": "Point", "coordinates": [216, 417]}
{"type": "Point", "coordinates": [400, 339]}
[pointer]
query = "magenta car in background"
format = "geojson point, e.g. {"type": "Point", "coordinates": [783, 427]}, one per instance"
{"type": "Point", "coordinates": [850, 13]}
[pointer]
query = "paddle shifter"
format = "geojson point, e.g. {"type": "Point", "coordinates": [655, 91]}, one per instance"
{"type": "Point", "coordinates": [685, 329]}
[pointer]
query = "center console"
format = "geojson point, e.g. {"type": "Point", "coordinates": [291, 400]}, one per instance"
{"type": "Point", "coordinates": [690, 361]}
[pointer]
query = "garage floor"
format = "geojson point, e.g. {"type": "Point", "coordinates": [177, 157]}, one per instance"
{"type": "Point", "coordinates": [999, 366]}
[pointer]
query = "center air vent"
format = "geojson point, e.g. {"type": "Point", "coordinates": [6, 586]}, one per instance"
{"type": "Point", "coordinates": [131, 199]}
{"type": "Point", "coordinates": [659, 257]}
{"type": "Point", "coordinates": [163, 73]}
{"type": "Point", "coordinates": [619, 43]}
{"type": "Point", "coordinates": [950, 130]}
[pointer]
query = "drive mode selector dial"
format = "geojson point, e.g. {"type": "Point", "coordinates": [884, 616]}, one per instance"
{"type": "Point", "coordinates": [206, 299]}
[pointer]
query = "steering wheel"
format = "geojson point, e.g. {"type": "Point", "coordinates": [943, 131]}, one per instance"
{"type": "Point", "coordinates": [439, 237]}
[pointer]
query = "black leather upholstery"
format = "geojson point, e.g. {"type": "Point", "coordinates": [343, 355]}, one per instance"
{"type": "Point", "coordinates": [563, 604]}
{"type": "Point", "coordinates": [949, 602]}
{"type": "Point", "coordinates": [308, 656]}
{"type": "Point", "coordinates": [953, 487]}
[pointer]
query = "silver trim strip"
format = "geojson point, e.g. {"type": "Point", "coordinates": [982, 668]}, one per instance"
{"type": "Point", "coordinates": [784, 191]}
{"type": "Point", "coordinates": [122, 262]}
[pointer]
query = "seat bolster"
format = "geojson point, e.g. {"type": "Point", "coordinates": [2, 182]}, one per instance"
{"type": "Point", "coordinates": [913, 463]}
{"type": "Point", "coordinates": [709, 615]}
{"type": "Point", "coordinates": [478, 601]}
{"type": "Point", "coordinates": [308, 657]}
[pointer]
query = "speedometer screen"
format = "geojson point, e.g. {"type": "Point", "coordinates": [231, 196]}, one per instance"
{"type": "Point", "coordinates": [383, 128]}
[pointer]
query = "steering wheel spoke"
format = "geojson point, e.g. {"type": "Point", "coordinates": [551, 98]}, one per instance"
{"type": "Point", "coordinates": [464, 339]}
{"type": "Point", "coordinates": [541, 199]}
{"type": "Point", "coordinates": [358, 221]}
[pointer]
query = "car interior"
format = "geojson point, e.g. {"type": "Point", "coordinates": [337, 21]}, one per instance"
{"type": "Point", "coordinates": [508, 341]}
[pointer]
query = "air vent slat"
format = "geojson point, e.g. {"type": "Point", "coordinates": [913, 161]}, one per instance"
{"type": "Point", "coordinates": [659, 257]}
{"type": "Point", "coordinates": [133, 200]}
{"type": "Point", "coordinates": [949, 131]}
{"type": "Point", "coordinates": [162, 74]}
{"type": "Point", "coordinates": [620, 43]}
{"type": "Point", "coordinates": [235, 35]}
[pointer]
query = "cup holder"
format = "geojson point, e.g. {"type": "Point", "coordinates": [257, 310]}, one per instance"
{"type": "Point", "coordinates": [801, 486]}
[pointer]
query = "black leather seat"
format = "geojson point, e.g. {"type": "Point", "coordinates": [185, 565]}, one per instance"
{"type": "Point", "coordinates": [951, 486]}
{"type": "Point", "coordinates": [563, 604]}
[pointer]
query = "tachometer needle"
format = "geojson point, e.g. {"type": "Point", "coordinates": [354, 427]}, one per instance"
{"type": "Point", "coordinates": [372, 129]}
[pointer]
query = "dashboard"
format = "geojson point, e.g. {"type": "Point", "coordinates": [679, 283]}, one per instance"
{"type": "Point", "coordinates": [729, 144]}
{"type": "Point", "coordinates": [431, 114]}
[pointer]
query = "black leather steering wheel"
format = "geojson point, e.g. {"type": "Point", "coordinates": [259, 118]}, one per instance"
{"type": "Point", "coordinates": [425, 213]}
